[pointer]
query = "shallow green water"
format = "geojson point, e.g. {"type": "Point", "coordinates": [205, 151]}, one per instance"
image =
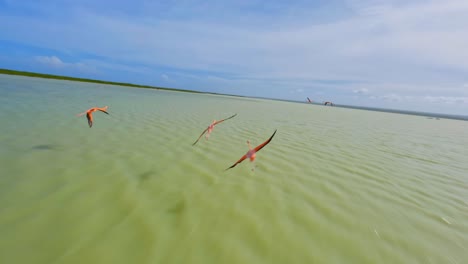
{"type": "Point", "coordinates": [334, 186]}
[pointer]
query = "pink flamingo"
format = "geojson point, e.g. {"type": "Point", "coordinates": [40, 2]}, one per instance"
{"type": "Point", "coordinates": [89, 113]}
{"type": "Point", "coordinates": [252, 153]}
{"type": "Point", "coordinates": [210, 128]}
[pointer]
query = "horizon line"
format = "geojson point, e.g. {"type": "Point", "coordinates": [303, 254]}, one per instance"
{"type": "Point", "coordinates": [367, 108]}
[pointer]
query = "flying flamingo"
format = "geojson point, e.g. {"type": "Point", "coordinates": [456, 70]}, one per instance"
{"type": "Point", "coordinates": [310, 101]}
{"type": "Point", "coordinates": [89, 114]}
{"type": "Point", "coordinates": [251, 154]}
{"type": "Point", "coordinates": [209, 129]}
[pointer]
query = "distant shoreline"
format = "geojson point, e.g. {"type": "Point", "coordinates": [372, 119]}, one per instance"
{"type": "Point", "coordinates": [59, 77]}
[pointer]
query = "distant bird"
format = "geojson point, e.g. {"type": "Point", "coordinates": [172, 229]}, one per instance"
{"type": "Point", "coordinates": [329, 103]}
{"type": "Point", "coordinates": [209, 129]}
{"type": "Point", "coordinates": [89, 113]}
{"type": "Point", "coordinates": [310, 101]}
{"type": "Point", "coordinates": [251, 154]}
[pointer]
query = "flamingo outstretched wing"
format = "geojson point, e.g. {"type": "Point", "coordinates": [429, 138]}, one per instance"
{"type": "Point", "coordinates": [204, 131]}
{"type": "Point", "coordinates": [237, 162]}
{"type": "Point", "coordinates": [257, 148]}
{"type": "Point", "coordinates": [90, 119]}
{"type": "Point", "coordinates": [103, 109]}
{"type": "Point", "coordinates": [217, 122]}
{"type": "Point", "coordinates": [89, 114]}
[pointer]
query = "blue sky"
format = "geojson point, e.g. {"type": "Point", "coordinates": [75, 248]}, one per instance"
{"type": "Point", "coordinates": [410, 55]}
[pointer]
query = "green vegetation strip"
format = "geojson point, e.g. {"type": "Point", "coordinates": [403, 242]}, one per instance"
{"type": "Point", "coordinates": [58, 77]}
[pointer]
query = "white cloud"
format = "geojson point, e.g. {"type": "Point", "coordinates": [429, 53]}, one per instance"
{"type": "Point", "coordinates": [400, 50]}
{"type": "Point", "coordinates": [56, 62]}
{"type": "Point", "coordinates": [116, 66]}
{"type": "Point", "coordinates": [446, 99]}
{"type": "Point", "coordinates": [451, 100]}
{"type": "Point", "coordinates": [397, 39]}
{"type": "Point", "coordinates": [361, 91]}
{"type": "Point", "coordinates": [398, 98]}
{"type": "Point", "coordinates": [296, 91]}
{"type": "Point", "coordinates": [51, 61]}
{"type": "Point", "coordinates": [392, 97]}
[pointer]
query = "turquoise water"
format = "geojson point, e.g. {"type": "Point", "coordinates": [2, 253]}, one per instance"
{"type": "Point", "coordinates": [335, 185]}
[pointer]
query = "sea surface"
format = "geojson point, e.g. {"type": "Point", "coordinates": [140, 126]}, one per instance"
{"type": "Point", "coordinates": [334, 185]}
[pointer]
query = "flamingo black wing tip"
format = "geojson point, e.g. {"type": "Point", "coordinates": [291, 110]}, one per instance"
{"type": "Point", "coordinates": [274, 133]}
{"type": "Point", "coordinates": [230, 167]}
